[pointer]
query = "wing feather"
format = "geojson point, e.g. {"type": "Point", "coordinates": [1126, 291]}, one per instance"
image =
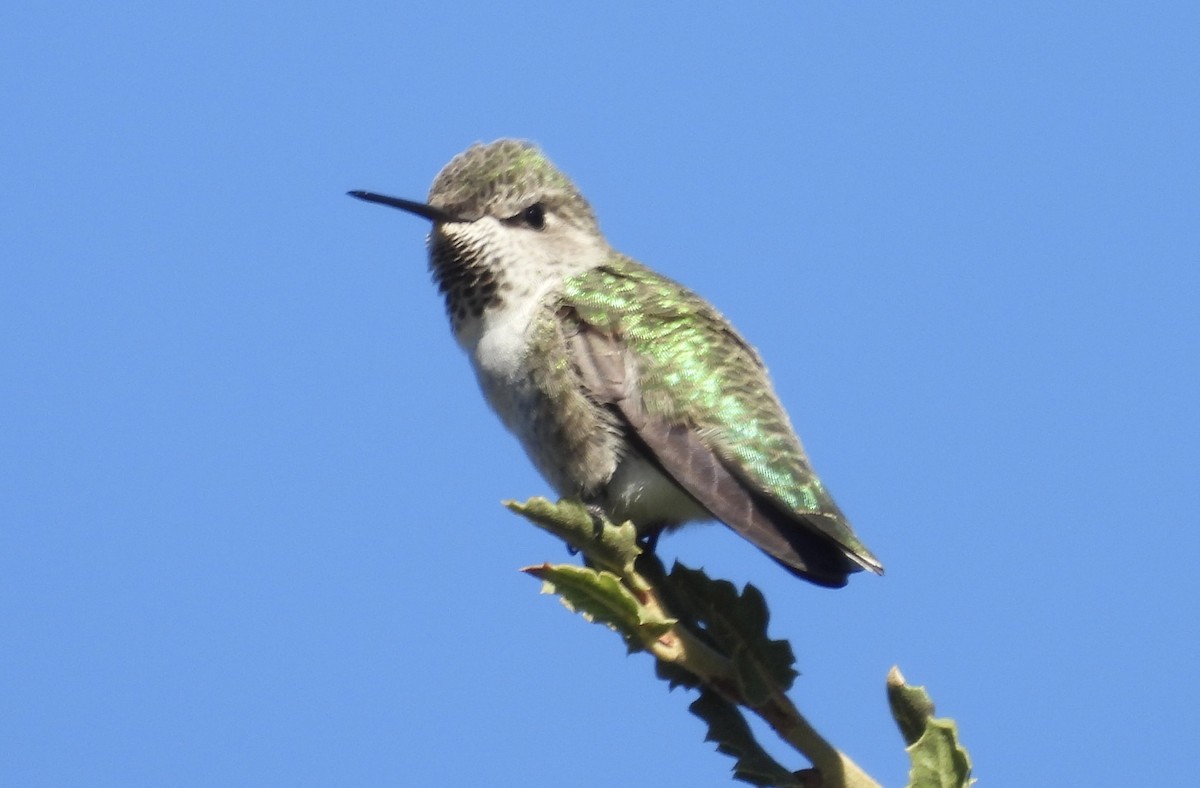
{"type": "Point", "coordinates": [679, 449]}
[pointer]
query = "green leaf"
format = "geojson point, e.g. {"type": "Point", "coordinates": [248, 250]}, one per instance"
{"type": "Point", "coordinates": [911, 706]}
{"type": "Point", "coordinates": [600, 597]}
{"type": "Point", "coordinates": [613, 547]}
{"type": "Point", "coordinates": [938, 759]}
{"type": "Point", "coordinates": [736, 625]}
{"type": "Point", "coordinates": [728, 729]}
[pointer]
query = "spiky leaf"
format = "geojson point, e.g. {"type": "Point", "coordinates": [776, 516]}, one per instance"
{"type": "Point", "coordinates": [612, 546]}
{"type": "Point", "coordinates": [911, 706]}
{"type": "Point", "coordinates": [599, 596]}
{"type": "Point", "coordinates": [938, 759]}
{"type": "Point", "coordinates": [728, 729]}
{"type": "Point", "coordinates": [736, 624]}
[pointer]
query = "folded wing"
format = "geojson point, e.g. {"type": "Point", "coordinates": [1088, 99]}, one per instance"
{"type": "Point", "coordinates": [649, 354]}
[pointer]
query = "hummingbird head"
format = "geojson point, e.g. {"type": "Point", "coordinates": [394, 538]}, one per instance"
{"type": "Point", "coordinates": [507, 224]}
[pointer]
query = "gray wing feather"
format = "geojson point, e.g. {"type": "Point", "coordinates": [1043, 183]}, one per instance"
{"type": "Point", "coordinates": [683, 455]}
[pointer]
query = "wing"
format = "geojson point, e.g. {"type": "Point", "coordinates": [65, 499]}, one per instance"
{"type": "Point", "coordinates": [696, 395]}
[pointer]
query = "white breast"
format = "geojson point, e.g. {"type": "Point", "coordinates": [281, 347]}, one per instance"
{"type": "Point", "coordinates": [497, 343]}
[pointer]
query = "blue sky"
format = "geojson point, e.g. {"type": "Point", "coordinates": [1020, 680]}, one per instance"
{"type": "Point", "coordinates": [250, 529]}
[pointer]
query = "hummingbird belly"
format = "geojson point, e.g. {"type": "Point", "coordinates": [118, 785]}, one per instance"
{"type": "Point", "coordinates": [639, 491]}
{"type": "Point", "coordinates": [580, 447]}
{"type": "Point", "coordinates": [574, 443]}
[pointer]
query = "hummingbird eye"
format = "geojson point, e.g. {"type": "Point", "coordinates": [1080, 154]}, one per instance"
{"type": "Point", "coordinates": [535, 216]}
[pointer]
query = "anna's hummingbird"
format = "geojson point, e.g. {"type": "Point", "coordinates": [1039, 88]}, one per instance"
{"type": "Point", "coordinates": [627, 390]}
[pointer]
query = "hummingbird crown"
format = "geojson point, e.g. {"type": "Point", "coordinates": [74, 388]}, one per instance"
{"type": "Point", "coordinates": [502, 179]}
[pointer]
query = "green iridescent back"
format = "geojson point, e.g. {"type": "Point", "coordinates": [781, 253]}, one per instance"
{"type": "Point", "coordinates": [695, 368]}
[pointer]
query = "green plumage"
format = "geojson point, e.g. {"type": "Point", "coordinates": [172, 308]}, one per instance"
{"type": "Point", "coordinates": [695, 369]}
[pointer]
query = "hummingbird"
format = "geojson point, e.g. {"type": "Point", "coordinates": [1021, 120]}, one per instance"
{"type": "Point", "coordinates": [627, 390]}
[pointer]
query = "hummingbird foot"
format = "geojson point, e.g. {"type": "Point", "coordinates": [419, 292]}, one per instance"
{"type": "Point", "coordinates": [599, 518]}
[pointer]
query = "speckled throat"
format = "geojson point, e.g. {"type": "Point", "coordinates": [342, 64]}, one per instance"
{"type": "Point", "coordinates": [464, 278]}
